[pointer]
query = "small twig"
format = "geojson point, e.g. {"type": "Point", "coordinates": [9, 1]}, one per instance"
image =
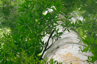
{"type": "Point", "coordinates": [49, 46]}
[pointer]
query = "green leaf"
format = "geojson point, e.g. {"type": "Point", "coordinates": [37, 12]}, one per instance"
{"type": "Point", "coordinates": [86, 49]}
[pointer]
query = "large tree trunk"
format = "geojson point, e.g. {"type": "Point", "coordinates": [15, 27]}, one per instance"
{"type": "Point", "coordinates": [66, 49]}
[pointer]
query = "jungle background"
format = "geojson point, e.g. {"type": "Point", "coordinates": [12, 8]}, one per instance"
{"type": "Point", "coordinates": [23, 25]}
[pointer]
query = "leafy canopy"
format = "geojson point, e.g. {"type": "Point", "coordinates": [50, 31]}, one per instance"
{"type": "Point", "coordinates": [28, 25]}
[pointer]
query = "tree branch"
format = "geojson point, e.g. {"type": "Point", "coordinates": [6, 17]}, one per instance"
{"type": "Point", "coordinates": [46, 45]}
{"type": "Point", "coordinates": [68, 6]}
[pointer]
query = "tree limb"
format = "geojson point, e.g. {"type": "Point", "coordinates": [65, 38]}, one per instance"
{"type": "Point", "coordinates": [46, 45]}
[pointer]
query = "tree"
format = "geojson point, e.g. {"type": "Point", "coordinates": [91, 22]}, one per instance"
{"type": "Point", "coordinates": [24, 45]}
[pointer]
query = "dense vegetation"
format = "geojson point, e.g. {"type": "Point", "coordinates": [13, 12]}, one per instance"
{"type": "Point", "coordinates": [23, 24]}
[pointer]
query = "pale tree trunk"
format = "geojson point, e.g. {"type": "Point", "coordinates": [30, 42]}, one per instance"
{"type": "Point", "coordinates": [66, 49]}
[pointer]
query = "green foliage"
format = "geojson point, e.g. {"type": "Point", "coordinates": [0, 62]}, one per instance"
{"type": "Point", "coordinates": [28, 25]}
